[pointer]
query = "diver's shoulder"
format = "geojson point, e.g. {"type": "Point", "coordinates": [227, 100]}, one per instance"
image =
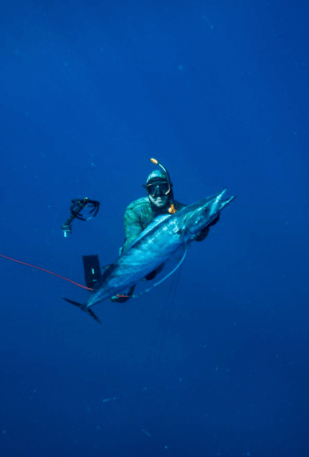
{"type": "Point", "coordinates": [138, 204]}
{"type": "Point", "coordinates": [179, 205]}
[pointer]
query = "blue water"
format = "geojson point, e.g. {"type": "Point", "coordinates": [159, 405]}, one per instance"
{"type": "Point", "coordinates": [215, 361]}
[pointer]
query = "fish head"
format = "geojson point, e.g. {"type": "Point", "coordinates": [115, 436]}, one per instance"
{"type": "Point", "coordinates": [202, 213]}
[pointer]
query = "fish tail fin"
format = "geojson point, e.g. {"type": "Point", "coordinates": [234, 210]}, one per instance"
{"type": "Point", "coordinates": [83, 308]}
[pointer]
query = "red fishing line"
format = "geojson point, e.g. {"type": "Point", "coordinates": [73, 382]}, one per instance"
{"type": "Point", "coordinates": [46, 271]}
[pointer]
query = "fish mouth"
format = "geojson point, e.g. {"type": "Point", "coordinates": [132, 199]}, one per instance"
{"type": "Point", "coordinates": [224, 203]}
{"type": "Point", "coordinates": [216, 203]}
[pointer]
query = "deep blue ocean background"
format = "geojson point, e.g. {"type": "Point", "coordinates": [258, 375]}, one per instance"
{"type": "Point", "coordinates": [215, 362]}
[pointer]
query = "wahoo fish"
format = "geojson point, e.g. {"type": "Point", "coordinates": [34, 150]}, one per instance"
{"type": "Point", "coordinates": [166, 236]}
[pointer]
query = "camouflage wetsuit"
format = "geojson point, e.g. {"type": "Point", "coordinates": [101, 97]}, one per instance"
{"type": "Point", "coordinates": [141, 213]}
{"type": "Point", "coordinates": [138, 215]}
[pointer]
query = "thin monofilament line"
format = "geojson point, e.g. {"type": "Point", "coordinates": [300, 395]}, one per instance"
{"type": "Point", "coordinates": [165, 277]}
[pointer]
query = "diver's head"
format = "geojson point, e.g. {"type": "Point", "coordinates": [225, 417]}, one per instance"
{"type": "Point", "coordinates": [158, 188]}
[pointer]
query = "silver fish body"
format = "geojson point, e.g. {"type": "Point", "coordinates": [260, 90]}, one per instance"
{"type": "Point", "coordinates": [162, 239]}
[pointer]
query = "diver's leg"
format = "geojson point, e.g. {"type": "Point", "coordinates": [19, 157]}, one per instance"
{"type": "Point", "coordinates": [92, 270]}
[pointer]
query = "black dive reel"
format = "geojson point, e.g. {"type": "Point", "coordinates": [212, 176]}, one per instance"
{"type": "Point", "coordinates": [76, 207]}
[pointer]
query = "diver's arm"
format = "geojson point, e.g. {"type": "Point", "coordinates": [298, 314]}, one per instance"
{"type": "Point", "coordinates": [132, 226]}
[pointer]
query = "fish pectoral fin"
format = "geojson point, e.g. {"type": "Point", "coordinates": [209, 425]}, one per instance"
{"type": "Point", "coordinates": [83, 308]}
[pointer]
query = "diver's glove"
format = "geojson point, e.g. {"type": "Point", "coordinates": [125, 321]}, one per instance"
{"type": "Point", "coordinates": [203, 233]}
{"type": "Point", "coordinates": [214, 221]}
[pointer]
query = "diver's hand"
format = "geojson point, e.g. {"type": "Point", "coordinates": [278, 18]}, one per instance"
{"type": "Point", "coordinates": [214, 221]}
{"type": "Point", "coordinates": [203, 233]}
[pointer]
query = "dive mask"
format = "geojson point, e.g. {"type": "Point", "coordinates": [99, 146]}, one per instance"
{"type": "Point", "coordinates": [158, 189]}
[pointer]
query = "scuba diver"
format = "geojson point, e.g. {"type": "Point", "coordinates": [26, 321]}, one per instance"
{"type": "Point", "coordinates": [140, 213]}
